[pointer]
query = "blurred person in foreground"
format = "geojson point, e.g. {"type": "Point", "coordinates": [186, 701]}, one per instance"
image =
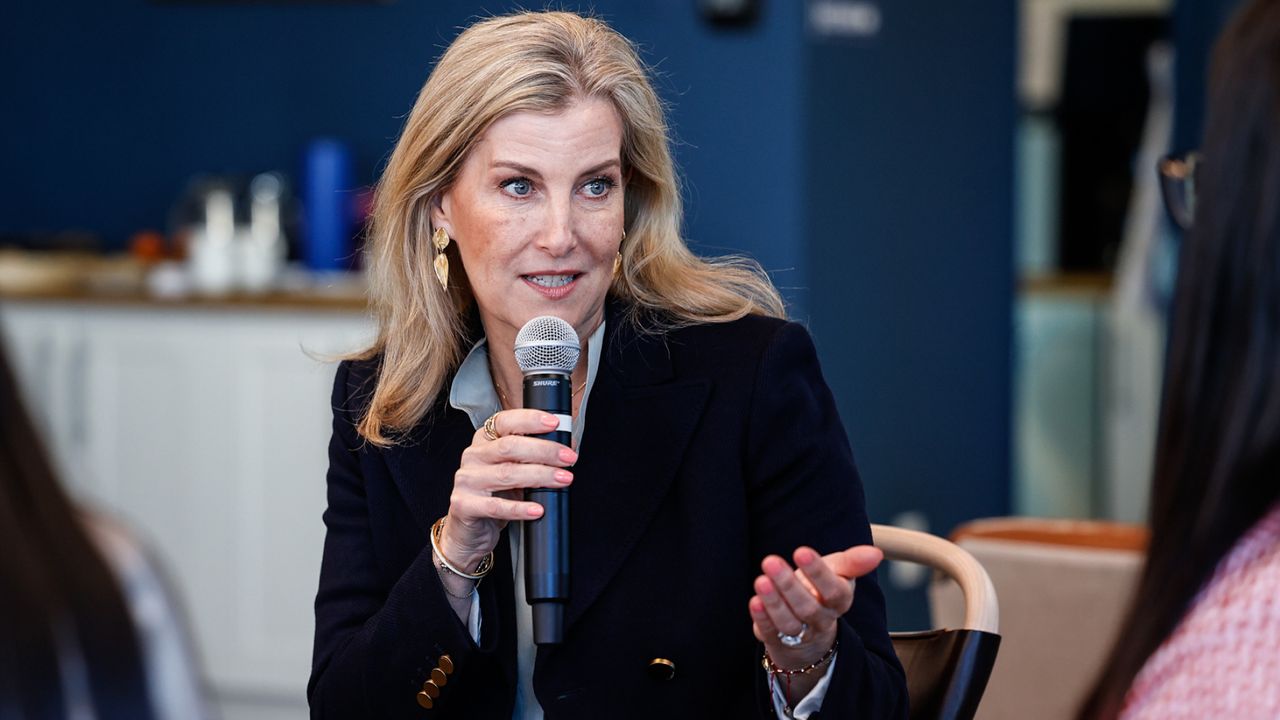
{"type": "Point", "coordinates": [533, 177]}
{"type": "Point", "coordinates": [87, 626]}
{"type": "Point", "coordinates": [1202, 639]}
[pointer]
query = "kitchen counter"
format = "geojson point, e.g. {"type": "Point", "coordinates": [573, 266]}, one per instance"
{"type": "Point", "coordinates": [116, 281]}
{"type": "Point", "coordinates": [346, 297]}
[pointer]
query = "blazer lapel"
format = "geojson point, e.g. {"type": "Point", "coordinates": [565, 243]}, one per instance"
{"type": "Point", "coordinates": [423, 466]}
{"type": "Point", "coordinates": [638, 426]}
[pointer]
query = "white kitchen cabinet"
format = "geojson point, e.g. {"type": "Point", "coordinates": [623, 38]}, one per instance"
{"type": "Point", "coordinates": [45, 346]}
{"type": "Point", "coordinates": [206, 430]}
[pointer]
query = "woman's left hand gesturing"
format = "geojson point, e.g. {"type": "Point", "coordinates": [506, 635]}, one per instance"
{"type": "Point", "coordinates": [807, 604]}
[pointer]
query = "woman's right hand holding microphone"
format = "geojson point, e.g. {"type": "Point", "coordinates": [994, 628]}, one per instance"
{"type": "Point", "coordinates": [501, 462]}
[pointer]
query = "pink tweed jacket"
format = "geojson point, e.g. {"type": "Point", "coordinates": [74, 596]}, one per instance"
{"type": "Point", "coordinates": [1223, 660]}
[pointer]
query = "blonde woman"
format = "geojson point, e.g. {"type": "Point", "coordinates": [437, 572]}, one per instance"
{"type": "Point", "coordinates": [533, 177]}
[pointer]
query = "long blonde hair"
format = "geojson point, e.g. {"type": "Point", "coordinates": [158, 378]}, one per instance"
{"type": "Point", "coordinates": [538, 62]}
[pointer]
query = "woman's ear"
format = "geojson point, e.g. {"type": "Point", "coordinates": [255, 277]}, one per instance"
{"type": "Point", "coordinates": [440, 203]}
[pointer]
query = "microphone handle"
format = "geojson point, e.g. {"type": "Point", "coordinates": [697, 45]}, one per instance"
{"type": "Point", "coordinates": [546, 540]}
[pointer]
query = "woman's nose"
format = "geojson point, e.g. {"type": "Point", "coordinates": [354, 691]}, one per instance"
{"type": "Point", "coordinates": [557, 237]}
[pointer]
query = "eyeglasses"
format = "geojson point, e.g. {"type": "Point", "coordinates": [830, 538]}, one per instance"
{"type": "Point", "coordinates": [1178, 187]}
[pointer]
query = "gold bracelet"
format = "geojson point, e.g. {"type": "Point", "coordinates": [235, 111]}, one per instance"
{"type": "Point", "coordinates": [486, 564]}
{"type": "Point", "coordinates": [474, 587]}
{"type": "Point", "coordinates": [767, 662]}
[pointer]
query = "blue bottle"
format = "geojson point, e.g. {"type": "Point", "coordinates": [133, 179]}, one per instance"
{"type": "Point", "coordinates": [327, 203]}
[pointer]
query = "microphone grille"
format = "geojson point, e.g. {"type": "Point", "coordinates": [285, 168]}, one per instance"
{"type": "Point", "coordinates": [547, 344]}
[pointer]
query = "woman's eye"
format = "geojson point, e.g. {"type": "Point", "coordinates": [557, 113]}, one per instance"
{"type": "Point", "coordinates": [598, 187]}
{"type": "Point", "coordinates": [519, 187]}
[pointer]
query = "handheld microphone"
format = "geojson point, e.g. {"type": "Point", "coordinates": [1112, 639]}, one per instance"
{"type": "Point", "coordinates": [547, 351]}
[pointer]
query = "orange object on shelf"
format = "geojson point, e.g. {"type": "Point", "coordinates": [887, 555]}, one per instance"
{"type": "Point", "coordinates": [148, 245]}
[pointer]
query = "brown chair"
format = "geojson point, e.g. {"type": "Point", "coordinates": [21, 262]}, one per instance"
{"type": "Point", "coordinates": [947, 669]}
{"type": "Point", "coordinates": [1064, 586]}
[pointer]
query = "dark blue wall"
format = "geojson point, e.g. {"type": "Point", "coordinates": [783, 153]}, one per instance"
{"type": "Point", "coordinates": [872, 178]}
{"type": "Point", "coordinates": [909, 203]}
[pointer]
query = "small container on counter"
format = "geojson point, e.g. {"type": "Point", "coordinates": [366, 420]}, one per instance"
{"type": "Point", "coordinates": [212, 245]}
{"type": "Point", "coordinates": [328, 206]}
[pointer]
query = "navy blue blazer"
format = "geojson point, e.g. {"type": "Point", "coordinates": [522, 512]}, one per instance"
{"type": "Point", "coordinates": [707, 449]}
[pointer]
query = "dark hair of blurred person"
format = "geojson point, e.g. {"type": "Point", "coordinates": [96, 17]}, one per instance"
{"type": "Point", "coordinates": [67, 641]}
{"type": "Point", "coordinates": [1213, 511]}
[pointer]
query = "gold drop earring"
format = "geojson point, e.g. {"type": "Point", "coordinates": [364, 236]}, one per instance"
{"type": "Point", "coordinates": [617, 259]}
{"type": "Point", "coordinates": [440, 239]}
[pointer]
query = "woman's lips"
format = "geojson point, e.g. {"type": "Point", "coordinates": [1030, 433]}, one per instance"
{"type": "Point", "coordinates": [553, 286]}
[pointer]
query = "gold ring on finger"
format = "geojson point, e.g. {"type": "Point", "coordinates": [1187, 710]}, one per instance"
{"type": "Point", "coordinates": [491, 428]}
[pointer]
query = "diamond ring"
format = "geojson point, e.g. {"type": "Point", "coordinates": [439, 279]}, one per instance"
{"type": "Point", "coordinates": [794, 640]}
